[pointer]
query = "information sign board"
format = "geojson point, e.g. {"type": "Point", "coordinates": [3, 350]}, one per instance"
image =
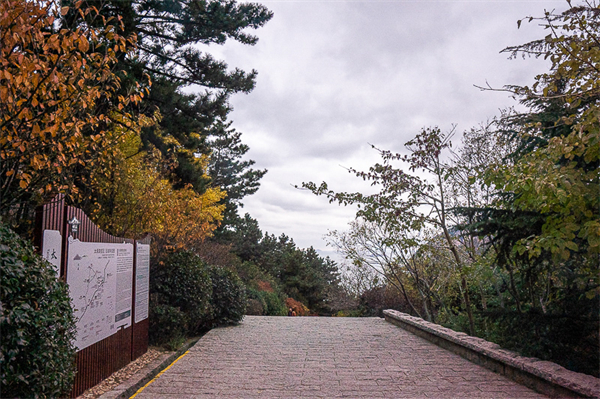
{"type": "Point", "coordinates": [142, 282]}
{"type": "Point", "coordinates": [100, 277]}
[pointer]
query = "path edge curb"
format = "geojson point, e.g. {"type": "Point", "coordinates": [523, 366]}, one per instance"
{"type": "Point", "coordinates": [131, 386]}
{"type": "Point", "coordinates": [543, 376]}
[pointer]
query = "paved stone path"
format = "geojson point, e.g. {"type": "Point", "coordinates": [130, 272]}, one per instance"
{"type": "Point", "coordinates": [312, 357]}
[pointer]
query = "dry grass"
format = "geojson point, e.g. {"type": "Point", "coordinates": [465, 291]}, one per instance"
{"type": "Point", "coordinates": [122, 375]}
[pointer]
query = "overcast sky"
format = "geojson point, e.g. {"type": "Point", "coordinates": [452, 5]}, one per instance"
{"type": "Point", "coordinates": [334, 76]}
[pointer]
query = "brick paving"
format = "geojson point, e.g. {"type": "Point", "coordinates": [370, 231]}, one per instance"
{"type": "Point", "coordinates": [313, 357]}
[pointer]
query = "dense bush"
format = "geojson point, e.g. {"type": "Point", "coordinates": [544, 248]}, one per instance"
{"type": "Point", "coordinates": [374, 301]}
{"type": "Point", "coordinates": [266, 303]}
{"type": "Point", "coordinates": [254, 307]}
{"type": "Point", "coordinates": [168, 324]}
{"type": "Point", "coordinates": [275, 304]}
{"type": "Point", "coordinates": [256, 304]}
{"type": "Point", "coordinates": [265, 295]}
{"type": "Point", "coordinates": [36, 323]}
{"type": "Point", "coordinates": [228, 297]}
{"type": "Point", "coordinates": [181, 291]}
{"type": "Point", "coordinates": [567, 339]}
{"type": "Point", "coordinates": [187, 297]}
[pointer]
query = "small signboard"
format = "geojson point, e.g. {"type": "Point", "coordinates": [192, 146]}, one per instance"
{"type": "Point", "coordinates": [142, 282]}
{"type": "Point", "coordinates": [52, 248]}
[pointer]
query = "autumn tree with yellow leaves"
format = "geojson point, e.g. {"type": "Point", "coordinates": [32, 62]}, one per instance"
{"type": "Point", "coordinates": [65, 129]}
{"type": "Point", "coordinates": [52, 83]}
{"type": "Point", "coordinates": [136, 197]}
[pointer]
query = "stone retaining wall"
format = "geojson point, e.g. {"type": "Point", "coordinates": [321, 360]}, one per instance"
{"type": "Point", "coordinates": [543, 376]}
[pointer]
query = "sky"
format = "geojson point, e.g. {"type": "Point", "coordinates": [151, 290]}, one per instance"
{"type": "Point", "coordinates": [335, 77]}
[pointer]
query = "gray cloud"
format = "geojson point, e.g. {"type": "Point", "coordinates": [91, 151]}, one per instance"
{"type": "Point", "coordinates": [334, 76]}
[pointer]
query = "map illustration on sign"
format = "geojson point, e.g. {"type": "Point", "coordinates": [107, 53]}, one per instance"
{"type": "Point", "coordinates": [95, 287]}
{"type": "Point", "coordinates": [99, 276]}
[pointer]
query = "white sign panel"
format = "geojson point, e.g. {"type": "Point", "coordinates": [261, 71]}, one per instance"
{"type": "Point", "coordinates": [52, 248]}
{"type": "Point", "coordinates": [142, 282]}
{"type": "Point", "coordinates": [100, 277]}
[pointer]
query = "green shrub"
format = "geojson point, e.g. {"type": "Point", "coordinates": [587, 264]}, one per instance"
{"type": "Point", "coordinates": [228, 297]}
{"type": "Point", "coordinates": [36, 323]}
{"type": "Point", "coordinates": [269, 303]}
{"type": "Point", "coordinates": [254, 307]}
{"type": "Point", "coordinates": [179, 283]}
{"type": "Point", "coordinates": [256, 303]}
{"type": "Point", "coordinates": [167, 324]}
{"type": "Point", "coordinates": [275, 305]}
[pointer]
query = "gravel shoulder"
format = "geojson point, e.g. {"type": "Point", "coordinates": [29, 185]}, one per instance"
{"type": "Point", "coordinates": [125, 374]}
{"type": "Point", "coordinates": [126, 381]}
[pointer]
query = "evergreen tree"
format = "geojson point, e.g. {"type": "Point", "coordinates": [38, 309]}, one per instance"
{"type": "Point", "coordinates": [229, 171]}
{"type": "Point", "coordinates": [245, 237]}
{"type": "Point", "coordinates": [171, 38]}
{"type": "Point", "coordinates": [301, 273]}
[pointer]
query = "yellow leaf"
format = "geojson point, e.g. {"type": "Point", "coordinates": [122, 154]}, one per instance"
{"type": "Point", "coordinates": [23, 184]}
{"type": "Point", "coordinates": [83, 45]}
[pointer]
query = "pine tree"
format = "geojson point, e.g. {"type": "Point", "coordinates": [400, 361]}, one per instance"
{"type": "Point", "coordinates": [171, 36]}
{"type": "Point", "coordinates": [229, 171]}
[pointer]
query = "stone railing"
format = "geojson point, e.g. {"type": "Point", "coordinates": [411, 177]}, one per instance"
{"type": "Point", "coordinates": [545, 377]}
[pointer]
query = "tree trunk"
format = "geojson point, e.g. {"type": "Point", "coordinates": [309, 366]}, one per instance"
{"type": "Point", "coordinates": [463, 279]}
{"type": "Point", "coordinates": [483, 300]}
{"type": "Point", "coordinates": [513, 288]}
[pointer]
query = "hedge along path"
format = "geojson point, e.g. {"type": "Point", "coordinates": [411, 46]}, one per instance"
{"type": "Point", "coordinates": [313, 357]}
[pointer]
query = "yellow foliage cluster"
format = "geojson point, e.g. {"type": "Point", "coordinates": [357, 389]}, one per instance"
{"type": "Point", "coordinates": [51, 82]}
{"type": "Point", "coordinates": [144, 200]}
